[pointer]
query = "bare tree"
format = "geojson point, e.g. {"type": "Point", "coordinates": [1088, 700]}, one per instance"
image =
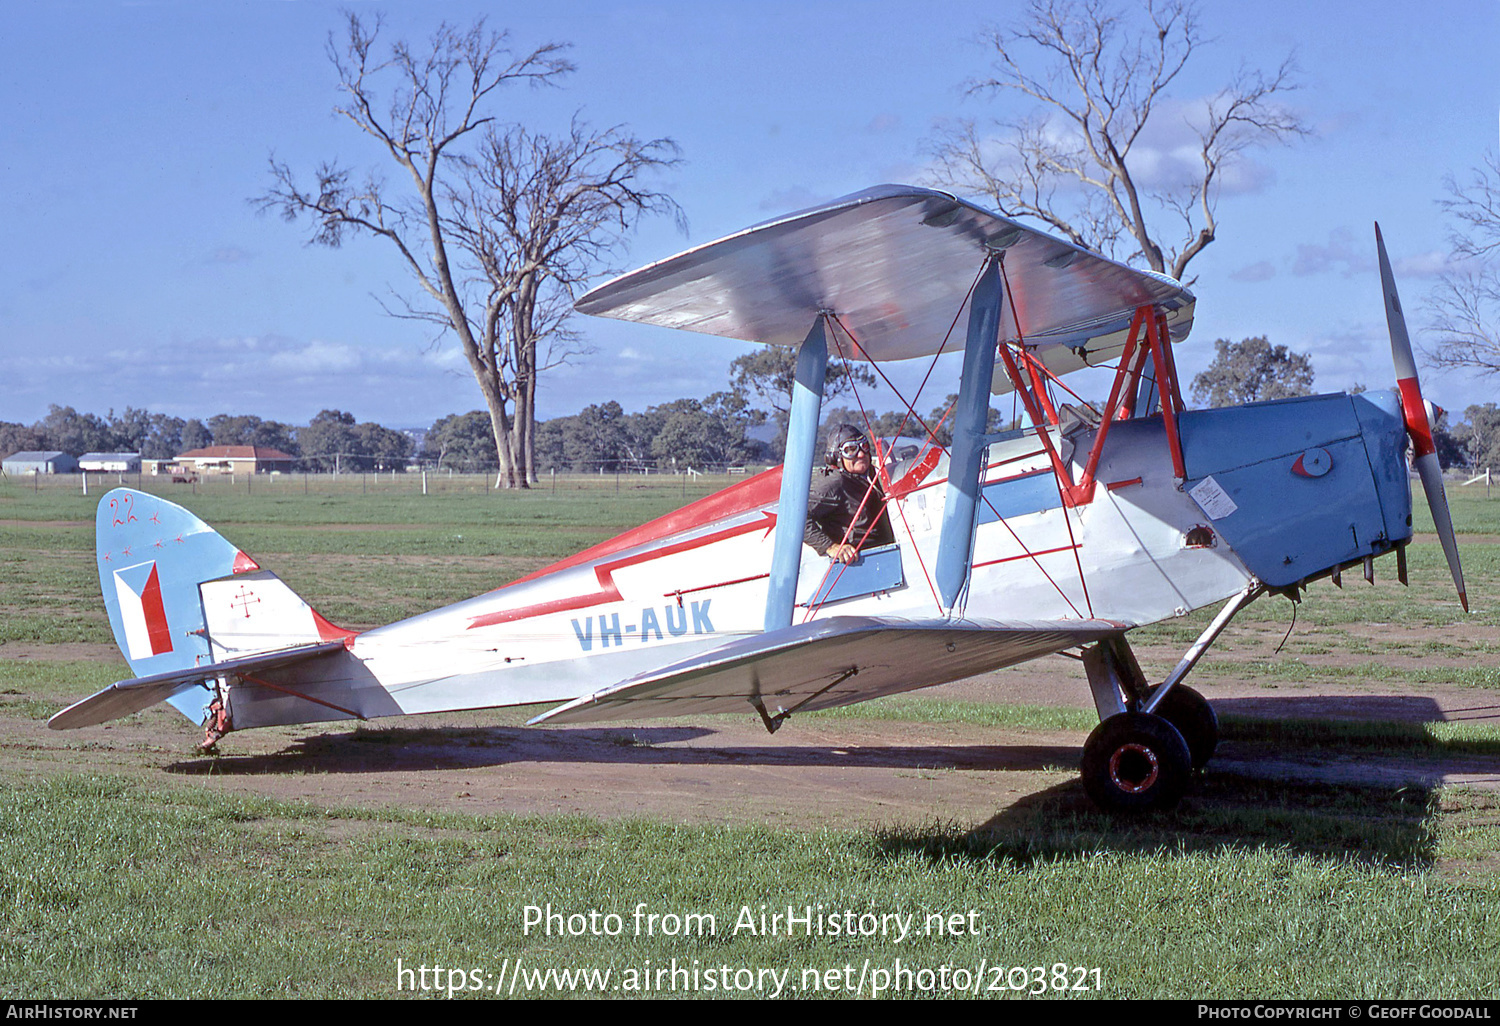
{"type": "Point", "coordinates": [1466, 302]}
{"type": "Point", "coordinates": [1082, 159]}
{"type": "Point", "coordinates": [537, 217]}
{"type": "Point", "coordinates": [497, 272]}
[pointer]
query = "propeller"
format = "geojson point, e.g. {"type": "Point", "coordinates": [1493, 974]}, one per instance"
{"type": "Point", "coordinates": [1414, 410]}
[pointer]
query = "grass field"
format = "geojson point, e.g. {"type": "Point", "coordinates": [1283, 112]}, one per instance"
{"type": "Point", "coordinates": [162, 884]}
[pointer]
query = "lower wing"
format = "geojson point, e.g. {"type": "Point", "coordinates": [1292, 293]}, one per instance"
{"type": "Point", "coordinates": [833, 662]}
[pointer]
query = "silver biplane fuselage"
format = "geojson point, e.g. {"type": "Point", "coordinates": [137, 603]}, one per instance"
{"type": "Point", "coordinates": [1064, 534]}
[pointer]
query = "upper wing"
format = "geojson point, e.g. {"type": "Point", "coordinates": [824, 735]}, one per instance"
{"type": "Point", "coordinates": [894, 263]}
{"type": "Point", "coordinates": [828, 663]}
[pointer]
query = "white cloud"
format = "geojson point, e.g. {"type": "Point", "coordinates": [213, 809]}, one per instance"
{"type": "Point", "coordinates": [1341, 254]}
{"type": "Point", "coordinates": [1262, 271]}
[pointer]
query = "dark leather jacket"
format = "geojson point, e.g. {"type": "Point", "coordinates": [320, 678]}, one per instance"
{"type": "Point", "coordinates": [837, 508]}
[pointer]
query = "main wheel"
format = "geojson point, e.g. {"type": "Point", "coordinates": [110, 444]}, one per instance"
{"type": "Point", "coordinates": [1136, 762]}
{"type": "Point", "coordinates": [1194, 719]}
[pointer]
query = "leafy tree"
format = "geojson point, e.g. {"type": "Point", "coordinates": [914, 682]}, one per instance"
{"type": "Point", "coordinates": [195, 435]}
{"type": "Point", "coordinates": [248, 429]}
{"type": "Point", "coordinates": [703, 434]}
{"type": "Point", "coordinates": [462, 441]}
{"type": "Point", "coordinates": [20, 438]}
{"type": "Point", "coordinates": [597, 438]}
{"type": "Point", "coordinates": [769, 373]}
{"type": "Point", "coordinates": [1097, 156]}
{"type": "Point", "coordinates": [155, 436]}
{"type": "Point", "coordinates": [1252, 370]}
{"type": "Point", "coordinates": [766, 377]}
{"type": "Point", "coordinates": [67, 430]}
{"type": "Point", "coordinates": [549, 445]}
{"type": "Point", "coordinates": [1476, 439]}
{"type": "Point", "coordinates": [330, 442]}
{"type": "Point", "coordinates": [496, 227]}
{"type": "Point", "coordinates": [382, 447]}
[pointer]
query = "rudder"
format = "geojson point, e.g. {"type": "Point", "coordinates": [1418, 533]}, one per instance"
{"type": "Point", "coordinates": [179, 595]}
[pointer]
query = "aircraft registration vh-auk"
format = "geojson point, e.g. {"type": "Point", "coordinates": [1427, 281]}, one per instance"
{"type": "Point", "coordinates": [1061, 535]}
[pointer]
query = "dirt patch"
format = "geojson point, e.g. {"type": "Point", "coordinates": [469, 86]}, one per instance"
{"type": "Point", "coordinates": [82, 650]}
{"type": "Point", "coordinates": [815, 772]}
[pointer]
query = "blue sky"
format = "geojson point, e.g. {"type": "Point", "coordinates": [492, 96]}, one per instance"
{"type": "Point", "coordinates": [136, 273]}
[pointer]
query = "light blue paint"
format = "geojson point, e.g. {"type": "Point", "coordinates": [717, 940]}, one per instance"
{"type": "Point", "coordinates": [796, 477]}
{"type": "Point", "coordinates": [966, 461]}
{"type": "Point", "coordinates": [877, 570]}
{"type": "Point", "coordinates": [1384, 430]}
{"type": "Point", "coordinates": [1019, 496]}
{"type": "Point", "coordinates": [1216, 440]}
{"type": "Point", "coordinates": [1288, 527]}
{"type": "Point", "coordinates": [134, 531]}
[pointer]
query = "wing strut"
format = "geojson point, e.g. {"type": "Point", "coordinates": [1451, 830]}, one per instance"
{"type": "Point", "coordinates": [966, 455]}
{"type": "Point", "coordinates": [796, 475]}
{"type": "Point", "coordinates": [773, 723]}
{"type": "Point", "coordinates": [1148, 340]}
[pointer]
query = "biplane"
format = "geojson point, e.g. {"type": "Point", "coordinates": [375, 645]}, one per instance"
{"type": "Point", "coordinates": [1059, 536]}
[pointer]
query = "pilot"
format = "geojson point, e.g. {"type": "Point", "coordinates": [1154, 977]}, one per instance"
{"type": "Point", "coordinates": [846, 506]}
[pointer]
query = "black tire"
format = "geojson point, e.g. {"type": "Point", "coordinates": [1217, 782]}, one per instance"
{"type": "Point", "coordinates": [1136, 762]}
{"type": "Point", "coordinates": [1194, 719]}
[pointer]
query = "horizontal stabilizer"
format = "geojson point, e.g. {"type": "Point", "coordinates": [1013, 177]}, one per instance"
{"type": "Point", "coordinates": [829, 663]}
{"type": "Point", "coordinates": [128, 696]}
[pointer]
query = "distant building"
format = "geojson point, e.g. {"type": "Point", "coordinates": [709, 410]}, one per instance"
{"type": "Point", "coordinates": [39, 463]}
{"type": "Point", "coordinates": [111, 462]}
{"type": "Point", "coordinates": [234, 459]}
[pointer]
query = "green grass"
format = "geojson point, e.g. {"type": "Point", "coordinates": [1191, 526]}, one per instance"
{"type": "Point", "coordinates": [109, 889]}
{"type": "Point", "coordinates": [173, 886]}
{"type": "Point", "coordinates": [453, 544]}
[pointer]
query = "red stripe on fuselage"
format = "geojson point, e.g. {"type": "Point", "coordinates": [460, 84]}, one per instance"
{"type": "Point", "coordinates": [604, 573]}
{"type": "Point", "coordinates": [760, 490]}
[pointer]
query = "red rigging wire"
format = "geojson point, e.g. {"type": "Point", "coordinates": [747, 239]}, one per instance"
{"type": "Point", "coordinates": [931, 442]}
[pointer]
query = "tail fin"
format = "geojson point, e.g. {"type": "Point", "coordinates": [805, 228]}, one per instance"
{"type": "Point", "coordinates": [179, 595]}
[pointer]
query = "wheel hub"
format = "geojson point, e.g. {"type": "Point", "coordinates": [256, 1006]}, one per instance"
{"type": "Point", "coordinates": [1133, 768]}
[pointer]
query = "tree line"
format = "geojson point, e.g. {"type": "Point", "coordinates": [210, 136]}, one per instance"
{"type": "Point", "coordinates": [331, 440]}
{"type": "Point", "coordinates": [728, 428]}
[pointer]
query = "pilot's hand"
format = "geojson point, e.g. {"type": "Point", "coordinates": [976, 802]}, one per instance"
{"type": "Point", "coordinates": [843, 553]}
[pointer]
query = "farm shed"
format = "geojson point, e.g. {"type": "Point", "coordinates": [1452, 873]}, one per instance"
{"type": "Point", "coordinates": [39, 463]}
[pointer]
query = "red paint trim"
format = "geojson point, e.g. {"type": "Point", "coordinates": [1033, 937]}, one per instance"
{"type": "Point", "coordinates": [604, 573]}
{"type": "Point", "coordinates": [913, 478]}
{"type": "Point", "coordinates": [243, 564]}
{"type": "Point", "coordinates": [1416, 417]}
{"type": "Point", "coordinates": [1028, 555]}
{"type": "Point", "coordinates": [330, 632]}
{"type": "Point", "coordinates": [155, 612]}
{"type": "Point", "coordinates": [753, 493]}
